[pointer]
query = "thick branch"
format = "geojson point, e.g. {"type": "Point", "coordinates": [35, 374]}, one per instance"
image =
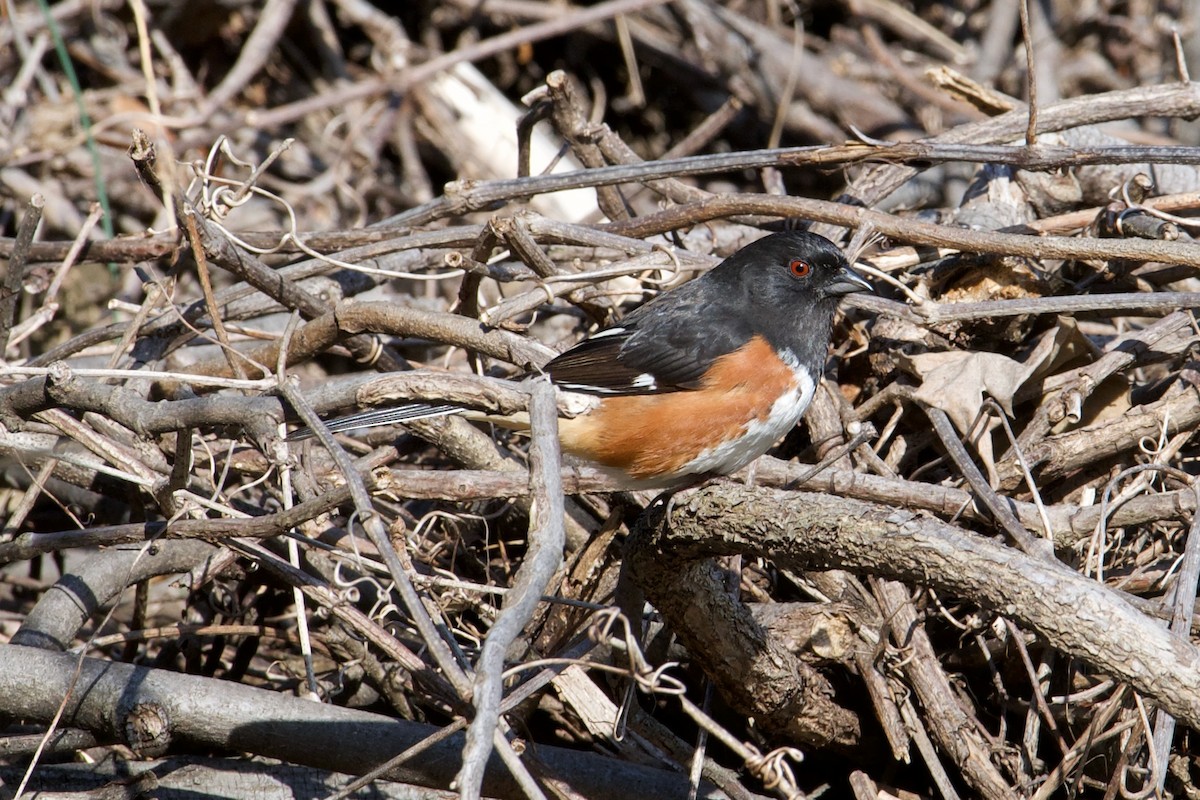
{"type": "Point", "coordinates": [220, 714]}
{"type": "Point", "coordinates": [1073, 613]}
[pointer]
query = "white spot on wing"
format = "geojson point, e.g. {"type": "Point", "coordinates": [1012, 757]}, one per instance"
{"type": "Point", "coordinates": [643, 381]}
{"type": "Point", "coordinates": [588, 388]}
{"type": "Point", "coordinates": [617, 331]}
{"type": "Point", "coordinates": [760, 434]}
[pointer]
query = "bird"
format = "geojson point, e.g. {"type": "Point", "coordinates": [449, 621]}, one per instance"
{"type": "Point", "coordinates": [703, 378]}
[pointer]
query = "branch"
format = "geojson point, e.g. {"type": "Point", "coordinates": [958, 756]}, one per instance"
{"type": "Point", "coordinates": [810, 531]}
{"type": "Point", "coordinates": [208, 713]}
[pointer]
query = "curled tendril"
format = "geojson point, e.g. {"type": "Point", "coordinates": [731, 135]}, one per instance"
{"type": "Point", "coordinates": [219, 196]}
{"type": "Point", "coordinates": [773, 769]}
{"type": "Point", "coordinates": [658, 682]}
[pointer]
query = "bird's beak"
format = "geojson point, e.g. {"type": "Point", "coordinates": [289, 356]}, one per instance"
{"type": "Point", "coordinates": [847, 282]}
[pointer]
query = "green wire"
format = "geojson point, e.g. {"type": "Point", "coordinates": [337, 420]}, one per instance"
{"type": "Point", "coordinates": [64, 58]}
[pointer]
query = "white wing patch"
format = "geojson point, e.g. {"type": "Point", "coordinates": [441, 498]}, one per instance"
{"type": "Point", "coordinates": [643, 382]}
{"type": "Point", "coordinates": [617, 331]}
{"type": "Point", "coordinates": [588, 388]}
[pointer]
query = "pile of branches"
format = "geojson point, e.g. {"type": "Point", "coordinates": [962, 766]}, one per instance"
{"type": "Point", "coordinates": [970, 571]}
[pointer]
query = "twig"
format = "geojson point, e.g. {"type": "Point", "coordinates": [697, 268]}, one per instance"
{"type": "Point", "coordinates": [378, 536]}
{"type": "Point", "coordinates": [15, 276]}
{"type": "Point", "coordinates": [994, 503]}
{"type": "Point", "coordinates": [252, 55]}
{"type": "Point", "coordinates": [910, 230]}
{"type": "Point", "coordinates": [1182, 610]}
{"type": "Point", "coordinates": [539, 566]}
{"type": "Point", "coordinates": [1030, 75]}
{"type": "Point", "coordinates": [946, 716]}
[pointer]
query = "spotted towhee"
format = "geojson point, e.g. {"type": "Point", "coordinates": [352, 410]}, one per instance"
{"type": "Point", "coordinates": [705, 377]}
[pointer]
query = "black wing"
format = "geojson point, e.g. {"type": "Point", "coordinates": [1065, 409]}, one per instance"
{"type": "Point", "coordinates": [664, 346]}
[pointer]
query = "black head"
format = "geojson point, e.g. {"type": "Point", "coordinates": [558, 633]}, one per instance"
{"type": "Point", "coordinates": [783, 267]}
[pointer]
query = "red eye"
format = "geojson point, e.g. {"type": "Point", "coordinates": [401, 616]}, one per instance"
{"type": "Point", "coordinates": [799, 268]}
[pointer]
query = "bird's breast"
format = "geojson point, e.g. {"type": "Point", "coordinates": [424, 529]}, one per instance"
{"type": "Point", "coordinates": [747, 401]}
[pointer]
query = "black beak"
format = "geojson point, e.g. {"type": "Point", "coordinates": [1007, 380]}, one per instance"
{"type": "Point", "coordinates": [847, 281]}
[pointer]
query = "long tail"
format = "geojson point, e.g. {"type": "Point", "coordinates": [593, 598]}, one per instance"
{"type": "Point", "coordinates": [379, 417]}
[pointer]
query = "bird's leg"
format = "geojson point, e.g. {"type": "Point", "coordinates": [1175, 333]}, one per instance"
{"type": "Point", "coordinates": [667, 496]}
{"type": "Point", "coordinates": [751, 474]}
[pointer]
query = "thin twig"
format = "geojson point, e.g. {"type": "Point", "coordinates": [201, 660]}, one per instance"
{"type": "Point", "coordinates": [14, 278]}
{"type": "Point", "coordinates": [543, 560]}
